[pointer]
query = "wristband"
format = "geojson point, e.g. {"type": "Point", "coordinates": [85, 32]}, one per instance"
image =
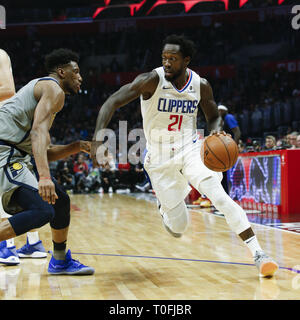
{"type": "Point", "coordinates": [45, 178]}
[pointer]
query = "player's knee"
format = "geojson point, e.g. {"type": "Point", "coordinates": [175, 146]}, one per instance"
{"type": "Point", "coordinates": [221, 201]}
{"type": "Point", "coordinates": [64, 201]}
{"type": "Point", "coordinates": [31, 219]}
{"type": "Point", "coordinates": [62, 216]}
{"type": "Point", "coordinates": [45, 215]}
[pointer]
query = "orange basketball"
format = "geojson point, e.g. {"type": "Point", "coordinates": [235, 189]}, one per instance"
{"type": "Point", "coordinates": [219, 152]}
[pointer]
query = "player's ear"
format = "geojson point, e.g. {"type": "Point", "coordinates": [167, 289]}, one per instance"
{"type": "Point", "coordinates": [61, 72]}
{"type": "Point", "coordinates": [187, 61]}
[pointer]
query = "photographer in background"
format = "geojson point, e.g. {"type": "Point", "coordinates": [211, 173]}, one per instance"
{"type": "Point", "coordinates": [65, 174]}
{"type": "Point", "coordinates": [230, 125]}
{"type": "Point", "coordinates": [81, 171]}
{"type": "Point", "coordinates": [257, 146]}
{"type": "Point", "coordinates": [107, 172]}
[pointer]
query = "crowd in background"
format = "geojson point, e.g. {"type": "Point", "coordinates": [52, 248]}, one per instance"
{"type": "Point", "coordinates": [265, 104]}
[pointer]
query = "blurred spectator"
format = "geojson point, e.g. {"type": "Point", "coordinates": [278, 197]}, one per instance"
{"type": "Point", "coordinates": [92, 182]}
{"type": "Point", "coordinates": [298, 141]}
{"type": "Point", "coordinates": [139, 178]}
{"type": "Point", "coordinates": [81, 171]}
{"type": "Point", "coordinates": [292, 140]}
{"type": "Point", "coordinates": [230, 123]}
{"type": "Point", "coordinates": [257, 146]}
{"type": "Point", "coordinates": [270, 143]}
{"type": "Point", "coordinates": [242, 147]}
{"type": "Point", "coordinates": [107, 171]}
{"type": "Point", "coordinates": [65, 174]}
{"type": "Point", "coordinates": [256, 121]}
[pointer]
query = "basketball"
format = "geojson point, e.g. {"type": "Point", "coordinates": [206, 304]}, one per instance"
{"type": "Point", "coordinates": [219, 152]}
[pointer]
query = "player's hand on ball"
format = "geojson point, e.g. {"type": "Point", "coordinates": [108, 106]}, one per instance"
{"type": "Point", "coordinates": [216, 132]}
{"type": "Point", "coordinates": [85, 146]}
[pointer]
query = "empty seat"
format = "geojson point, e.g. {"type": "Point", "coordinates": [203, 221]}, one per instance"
{"type": "Point", "coordinates": [282, 131]}
{"type": "Point", "coordinates": [168, 9]}
{"type": "Point", "coordinates": [208, 6]}
{"type": "Point", "coordinates": [114, 13]}
{"type": "Point", "coordinates": [296, 126]}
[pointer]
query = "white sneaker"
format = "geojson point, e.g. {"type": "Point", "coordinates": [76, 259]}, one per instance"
{"type": "Point", "coordinates": [266, 266]}
{"type": "Point", "coordinates": [174, 234]}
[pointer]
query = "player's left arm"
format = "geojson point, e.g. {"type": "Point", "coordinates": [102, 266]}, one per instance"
{"type": "Point", "coordinates": [209, 107]}
{"type": "Point", "coordinates": [7, 85]}
{"type": "Point", "coordinates": [234, 127]}
{"type": "Point", "coordinates": [236, 134]}
{"type": "Point", "coordinates": [57, 152]}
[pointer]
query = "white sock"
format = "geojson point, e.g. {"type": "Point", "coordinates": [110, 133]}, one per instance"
{"type": "Point", "coordinates": [10, 243]}
{"type": "Point", "coordinates": [253, 245]}
{"type": "Point", "coordinates": [33, 237]}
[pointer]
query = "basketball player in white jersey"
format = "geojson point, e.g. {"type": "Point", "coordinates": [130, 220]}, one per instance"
{"type": "Point", "coordinates": [34, 247]}
{"type": "Point", "coordinates": [170, 97]}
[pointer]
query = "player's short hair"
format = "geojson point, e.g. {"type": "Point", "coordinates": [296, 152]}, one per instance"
{"type": "Point", "coordinates": [187, 47]}
{"type": "Point", "coordinates": [60, 57]}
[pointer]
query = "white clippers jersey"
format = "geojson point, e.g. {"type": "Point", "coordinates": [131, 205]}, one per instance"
{"type": "Point", "coordinates": [170, 115]}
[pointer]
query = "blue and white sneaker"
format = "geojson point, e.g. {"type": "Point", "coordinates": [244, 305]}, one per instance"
{"type": "Point", "coordinates": [8, 256]}
{"type": "Point", "coordinates": [68, 266]}
{"type": "Point", "coordinates": [34, 251]}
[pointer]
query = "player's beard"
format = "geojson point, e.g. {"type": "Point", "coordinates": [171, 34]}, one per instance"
{"type": "Point", "coordinates": [174, 76]}
{"type": "Point", "coordinates": [71, 91]}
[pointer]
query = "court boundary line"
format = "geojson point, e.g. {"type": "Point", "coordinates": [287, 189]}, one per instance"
{"type": "Point", "coordinates": [179, 259]}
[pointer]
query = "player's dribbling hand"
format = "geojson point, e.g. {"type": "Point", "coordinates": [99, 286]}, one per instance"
{"type": "Point", "coordinates": [47, 190]}
{"type": "Point", "coordinates": [216, 132]}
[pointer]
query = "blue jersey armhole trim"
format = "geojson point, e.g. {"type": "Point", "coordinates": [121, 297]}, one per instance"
{"type": "Point", "coordinates": [48, 78]}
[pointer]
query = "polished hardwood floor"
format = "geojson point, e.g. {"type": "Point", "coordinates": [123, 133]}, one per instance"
{"type": "Point", "coordinates": [135, 258]}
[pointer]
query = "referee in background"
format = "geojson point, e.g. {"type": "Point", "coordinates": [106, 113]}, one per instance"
{"type": "Point", "coordinates": [230, 125]}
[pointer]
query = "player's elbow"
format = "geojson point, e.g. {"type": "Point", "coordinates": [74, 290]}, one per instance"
{"type": "Point", "coordinates": [6, 93]}
{"type": "Point", "coordinates": [34, 134]}
{"type": "Point", "coordinates": [37, 132]}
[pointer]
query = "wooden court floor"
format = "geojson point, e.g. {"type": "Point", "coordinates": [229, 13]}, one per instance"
{"type": "Point", "coordinates": [136, 259]}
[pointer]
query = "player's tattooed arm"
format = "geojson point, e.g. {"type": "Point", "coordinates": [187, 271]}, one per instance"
{"type": "Point", "coordinates": [209, 107]}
